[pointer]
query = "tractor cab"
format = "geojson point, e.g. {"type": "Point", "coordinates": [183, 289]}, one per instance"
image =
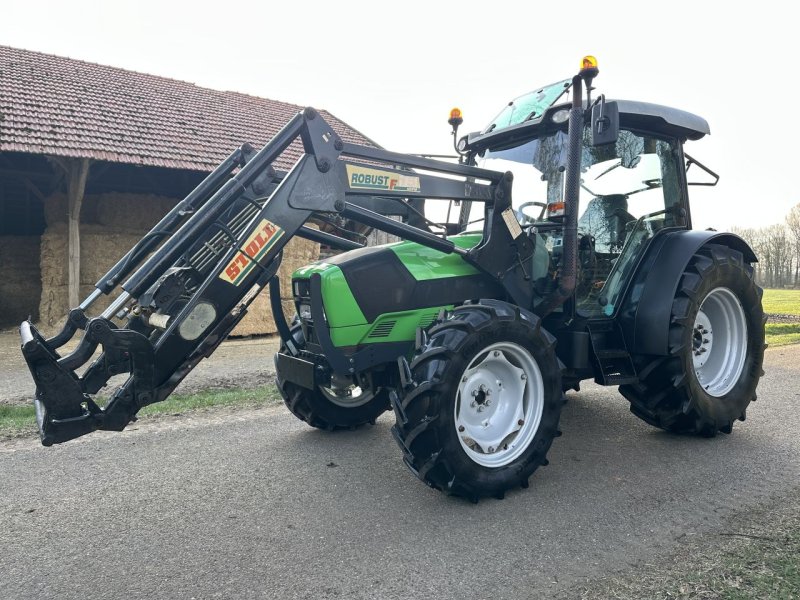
{"type": "Point", "coordinates": [630, 187]}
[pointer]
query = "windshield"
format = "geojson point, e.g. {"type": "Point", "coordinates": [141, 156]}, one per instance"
{"type": "Point", "coordinates": [528, 106]}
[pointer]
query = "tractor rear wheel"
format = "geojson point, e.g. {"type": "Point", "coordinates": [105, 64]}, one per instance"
{"type": "Point", "coordinates": [485, 402]}
{"type": "Point", "coordinates": [345, 406]}
{"type": "Point", "coordinates": [716, 344]}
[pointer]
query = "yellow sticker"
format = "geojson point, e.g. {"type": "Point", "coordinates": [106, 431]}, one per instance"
{"type": "Point", "coordinates": [256, 246]}
{"type": "Point", "coordinates": [362, 178]}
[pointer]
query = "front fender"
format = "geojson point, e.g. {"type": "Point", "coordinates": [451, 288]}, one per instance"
{"type": "Point", "coordinates": [646, 310]}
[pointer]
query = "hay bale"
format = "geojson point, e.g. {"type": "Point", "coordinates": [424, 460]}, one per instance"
{"type": "Point", "coordinates": [129, 212]}
{"type": "Point", "coordinates": [120, 212]}
{"type": "Point", "coordinates": [20, 279]}
{"type": "Point", "coordinates": [110, 225]}
{"type": "Point", "coordinates": [100, 250]}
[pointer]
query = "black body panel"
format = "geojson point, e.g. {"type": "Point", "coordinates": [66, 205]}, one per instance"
{"type": "Point", "coordinates": [381, 283]}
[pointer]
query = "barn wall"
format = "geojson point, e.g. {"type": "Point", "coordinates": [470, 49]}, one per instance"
{"type": "Point", "coordinates": [110, 225]}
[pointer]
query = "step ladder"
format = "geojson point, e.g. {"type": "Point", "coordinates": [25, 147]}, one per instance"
{"type": "Point", "coordinates": [613, 359]}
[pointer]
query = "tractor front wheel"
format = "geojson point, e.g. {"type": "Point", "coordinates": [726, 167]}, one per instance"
{"type": "Point", "coordinates": [485, 401]}
{"type": "Point", "coordinates": [343, 406]}
{"type": "Point", "coordinates": [716, 340]}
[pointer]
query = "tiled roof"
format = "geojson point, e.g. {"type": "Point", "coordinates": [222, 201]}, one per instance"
{"type": "Point", "coordinates": [60, 106]}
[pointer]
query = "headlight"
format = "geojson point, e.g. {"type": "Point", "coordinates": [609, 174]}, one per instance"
{"type": "Point", "coordinates": [560, 116]}
{"type": "Point", "coordinates": [304, 310]}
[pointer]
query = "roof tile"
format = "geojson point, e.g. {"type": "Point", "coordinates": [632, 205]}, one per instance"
{"type": "Point", "coordinates": [55, 105]}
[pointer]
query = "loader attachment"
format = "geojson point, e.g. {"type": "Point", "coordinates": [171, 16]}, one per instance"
{"type": "Point", "coordinates": [183, 288]}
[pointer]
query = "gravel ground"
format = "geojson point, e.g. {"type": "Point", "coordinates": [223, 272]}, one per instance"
{"type": "Point", "coordinates": [243, 363]}
{"type": "Point", "coordinates": [254, 504]}
{"type": "Point", "coordinates": [782, 318]}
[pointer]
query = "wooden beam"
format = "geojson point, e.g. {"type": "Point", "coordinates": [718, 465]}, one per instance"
{"type": "Point", "coordinates": [33, 188]}
{"type": "Point", "coordinates": [77, 173]}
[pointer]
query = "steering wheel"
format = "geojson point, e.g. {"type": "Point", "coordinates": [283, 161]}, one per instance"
{"type": "Point", "coordinates": [528, 219]}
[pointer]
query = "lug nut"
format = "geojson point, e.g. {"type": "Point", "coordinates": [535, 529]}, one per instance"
{"type": "Point", "coordinates": [496, 353]}
{"type": "Point", "coordinates": [523, 377]}
{"type": "Point", "coordinates": [521, 422]}
{"type": "Point", "coordinates": [461, 428]}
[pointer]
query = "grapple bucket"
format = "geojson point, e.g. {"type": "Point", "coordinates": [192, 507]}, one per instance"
{"type": "Point", "coordinates": [63, 411]}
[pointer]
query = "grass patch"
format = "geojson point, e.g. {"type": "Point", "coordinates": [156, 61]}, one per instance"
{"type": "Point", "coordinates": [261, 396]}
{"type": "Point", "coordinates": [782, 302]}
{"type": "Point", "coordinates": [20, 419]}
{"type": "Point", "coordinates": [755, 557]}
{"type": "Point", "coordinates": [16, 419]}
{"type": "Point", "coordinates": [782, 334]}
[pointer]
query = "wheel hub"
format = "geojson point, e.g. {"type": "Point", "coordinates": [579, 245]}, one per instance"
{"type": "Point", "coordinates": [702, 339]}
{"type": "Point", "coordinates": [719, 342]}
{"type": "Point", "coordinates": [499, 404]}
{"type": "Point", "coordinates": [350, 396]}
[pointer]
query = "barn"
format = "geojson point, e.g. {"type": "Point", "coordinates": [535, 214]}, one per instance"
{"type": "Point", "coordinates": [92, 156]}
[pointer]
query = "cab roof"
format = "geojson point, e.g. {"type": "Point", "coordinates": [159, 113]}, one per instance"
{"type": "Point", "coordinates": [633, 114]}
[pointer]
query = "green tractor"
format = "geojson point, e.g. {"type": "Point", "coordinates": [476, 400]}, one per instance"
{"type": "Point", "coordinates": [471, 330]}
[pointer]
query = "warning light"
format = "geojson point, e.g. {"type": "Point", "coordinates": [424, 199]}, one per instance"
{"type": "Point", "coordinates": [455, 117]}
{"type": "Point", "coordinates": [555, 209]}
{"type": "Point", "coordinates": [589, 67]}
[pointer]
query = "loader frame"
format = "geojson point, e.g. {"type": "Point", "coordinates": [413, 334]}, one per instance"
{"type": "Point", "coordinates": [164, 341]}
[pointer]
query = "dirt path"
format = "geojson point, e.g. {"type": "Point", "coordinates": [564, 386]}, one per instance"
{"type": "Point", "coordinates": [237, 363]}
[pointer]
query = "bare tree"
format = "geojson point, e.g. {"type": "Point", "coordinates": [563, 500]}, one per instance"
{"type": "Point", "coordinates": [793, 225]}
{"type": "Point", "coordinates": [757, 240]}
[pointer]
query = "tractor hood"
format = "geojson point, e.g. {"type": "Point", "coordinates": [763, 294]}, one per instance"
{"type": "Point", "coordinates": [404, 282]}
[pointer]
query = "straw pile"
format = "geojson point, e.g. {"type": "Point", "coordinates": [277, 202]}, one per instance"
{"type": "Point", "coordinates": [258, 320]}
{"type": "Point", "coordinates": [20, 281]}
{"type": "Point", "coordinates": [110, 225]}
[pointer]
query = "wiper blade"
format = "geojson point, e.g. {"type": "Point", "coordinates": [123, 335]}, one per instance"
{"type": "Point", "coordinates": [609, 169]}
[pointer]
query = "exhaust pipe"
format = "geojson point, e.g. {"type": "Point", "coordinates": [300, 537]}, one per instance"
{"type": "Point", "coordinates": [569, 257]}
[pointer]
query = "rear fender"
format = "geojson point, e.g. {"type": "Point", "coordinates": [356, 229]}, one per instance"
{"type": "Point", "coordinates": [646, 311]}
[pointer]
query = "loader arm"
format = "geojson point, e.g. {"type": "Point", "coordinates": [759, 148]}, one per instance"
{"type": "Point", "coordinates": [212, 254]}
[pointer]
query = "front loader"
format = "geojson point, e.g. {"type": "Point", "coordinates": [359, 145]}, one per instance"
{"type": "Point", "coordinates": [470, 331]}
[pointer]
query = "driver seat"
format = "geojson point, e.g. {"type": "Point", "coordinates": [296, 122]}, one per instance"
{"type": "Point", "coordinates": [605, 219]}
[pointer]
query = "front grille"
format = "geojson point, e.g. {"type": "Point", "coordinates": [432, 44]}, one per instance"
{"type": "Point", "coordinates": [426, 320]}
{"type": "Point", "coordinates": [382, 329]}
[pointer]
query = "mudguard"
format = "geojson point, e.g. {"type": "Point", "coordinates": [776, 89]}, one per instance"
{"type": "Point", "coordinates": [645, 313]}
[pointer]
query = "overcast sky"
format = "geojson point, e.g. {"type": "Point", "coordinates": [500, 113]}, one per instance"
{"type": "Point", "coordinates": [394, 70]}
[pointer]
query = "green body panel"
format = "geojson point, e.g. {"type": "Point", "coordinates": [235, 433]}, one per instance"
{"type": "Point", "coordinates": [347, 323]}
{"type": "Point", "coordinates": [426, 263]}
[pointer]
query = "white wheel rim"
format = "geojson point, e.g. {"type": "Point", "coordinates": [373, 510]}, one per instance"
{"type": "Point", "coordinates": [719, 342]}
{"type": "Point", "coordinates": [350, 397]}
{"type": "Point", "coordinates": [499, 404]}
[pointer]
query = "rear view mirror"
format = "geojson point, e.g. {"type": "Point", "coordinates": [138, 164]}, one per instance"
{"type": "Point", "coordinates": [605, 122]}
